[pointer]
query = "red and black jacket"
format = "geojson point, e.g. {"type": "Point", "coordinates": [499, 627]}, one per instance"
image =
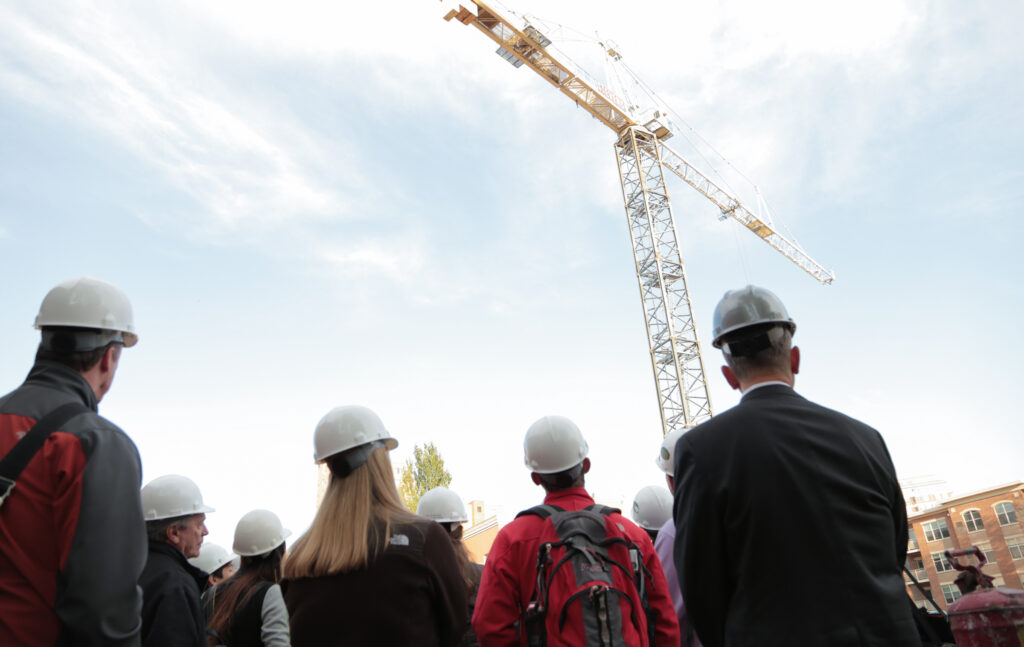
{"type": "Point", "coordinates": [510, 575]}
{"type": "Point", "coordinates": [72, 536]}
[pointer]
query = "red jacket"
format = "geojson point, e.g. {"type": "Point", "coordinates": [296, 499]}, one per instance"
{"type": "Point", "coordinates": [510, 574]}
{"type": "Point", "coordinates": [72, 537]}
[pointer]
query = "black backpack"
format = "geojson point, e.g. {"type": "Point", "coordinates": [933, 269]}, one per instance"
{"type": "Point", "coordinates": [588, 565]}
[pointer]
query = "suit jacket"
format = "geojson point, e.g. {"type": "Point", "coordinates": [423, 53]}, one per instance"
{"type": "Point", "coordinates": [791, 528]}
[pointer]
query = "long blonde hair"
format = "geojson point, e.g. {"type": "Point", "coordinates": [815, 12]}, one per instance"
{"type": "Point", "coordinates": [346, 533]}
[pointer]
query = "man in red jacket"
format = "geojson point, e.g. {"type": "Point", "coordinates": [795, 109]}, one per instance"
{"type": "Point", "coordinates": [556, 454]}
{"type": "Point", "coordinates": [72, 538]}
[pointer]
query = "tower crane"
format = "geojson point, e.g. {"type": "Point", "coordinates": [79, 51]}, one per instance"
{"type": "Point", "coordinates": [643, 156]}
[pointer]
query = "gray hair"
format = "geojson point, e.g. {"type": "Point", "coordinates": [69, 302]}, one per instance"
{"type": "Point", "coordinates": [157, 530]}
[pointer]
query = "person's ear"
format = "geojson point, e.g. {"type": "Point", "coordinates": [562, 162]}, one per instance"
{"type": "Point", "coordinates": [108, 359]}
{"type": "Point", "coordinates": [173, 534]}
{"type": "Point", "coordinates": [794, 359]}
{"type": "Point", "coordinates": [535, 477]}
{"type": "Point", "coordinates": [730, 377]}
{"type": "Point", "coordinates": [586, 465]}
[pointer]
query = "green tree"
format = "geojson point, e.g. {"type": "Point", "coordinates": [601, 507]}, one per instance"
{"type": "Point", "coordinates": [421, 473]}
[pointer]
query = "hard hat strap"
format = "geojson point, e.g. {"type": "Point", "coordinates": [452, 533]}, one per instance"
{"type": "Point", "coordinates": [760, 338]}
{"type": "Point", "coordinates": [748, 347]}
{"type": "Point", "coordinates": [78, 340]}
{"type": "Point", "coordinates": [343, 464]}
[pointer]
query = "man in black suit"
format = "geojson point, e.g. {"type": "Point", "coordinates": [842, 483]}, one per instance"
{"type": "Point", "coordinates": [791, 526]}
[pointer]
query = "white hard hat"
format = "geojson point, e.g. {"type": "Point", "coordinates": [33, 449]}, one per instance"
{"type": "Point", "coordinates": [346, 427]}
{"type": "Point", "coordinates": [553, 444]}
{"type": "Point", "coordinates": [170, 496]}
{"type": "Point", "coordinates": [259, 532]}
{"type": "Point", "coordinates": [442, 505]}
{"type": "Point", "coordinates": [89, 303]}
{"type": "Point", "coordinates": [746, 307]}
{"type": "Point", "coordinates": [666, 460]}
{"type": "Point", "coordinates": [652, 507]}
{"type": "Point", "coordinates": [211, 557]}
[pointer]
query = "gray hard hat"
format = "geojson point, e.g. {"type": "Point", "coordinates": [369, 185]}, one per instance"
{"type": "Point", "coordinates": [748, 306]}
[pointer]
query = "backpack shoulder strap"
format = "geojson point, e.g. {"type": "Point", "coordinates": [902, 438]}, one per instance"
{"type": "Point", "coordinates": [602, 510]}
{"type": "Point", "coordinates": [543, 511]}
{"type": "Point", "coordinates": [15, 461]}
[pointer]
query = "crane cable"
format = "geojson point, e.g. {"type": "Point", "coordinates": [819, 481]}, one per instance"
{"type": "Point", "coordinates": [551, 28]}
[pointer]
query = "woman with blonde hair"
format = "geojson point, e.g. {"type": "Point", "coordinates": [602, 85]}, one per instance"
{"type": "Point", "coordinates": [368, 571]}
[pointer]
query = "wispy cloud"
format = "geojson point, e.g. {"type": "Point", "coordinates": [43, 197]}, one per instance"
{"type": "Point", "coordinates": [398, 261]}
{"type": "Point", "coordinates": [208, 142]}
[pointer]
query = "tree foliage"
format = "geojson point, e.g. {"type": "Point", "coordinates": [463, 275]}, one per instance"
{"type": "Point", "coordinates": [421, 473]}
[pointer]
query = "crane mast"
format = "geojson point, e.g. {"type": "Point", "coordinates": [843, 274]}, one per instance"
{"type": "Point", "coordinates": [642, 155]}
{"type": "Point", "coordinates": [678, 365]}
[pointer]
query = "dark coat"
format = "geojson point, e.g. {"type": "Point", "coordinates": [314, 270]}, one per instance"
{"type": "Point", "coordinates": [412, 594]}
{"type": "Point", "coordinates": [791, 528]}
{"type": "Point", "coordinates": [172, 615]}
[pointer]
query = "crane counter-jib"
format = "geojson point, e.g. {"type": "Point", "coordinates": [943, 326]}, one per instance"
{"type": "Point", "coordinates": [528, 47]}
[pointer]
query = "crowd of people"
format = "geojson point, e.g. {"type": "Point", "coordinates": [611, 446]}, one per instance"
{"type": "Point", "coordinates": [718, 557]}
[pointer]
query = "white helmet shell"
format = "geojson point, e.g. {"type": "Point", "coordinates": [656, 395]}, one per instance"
{"type": "Point", "coordinates": [88, 303]}
{"type": "Point", "coordinates": [259, 532]}
{"type": "Point", "coordinates": [666, 460]}
{"type": "Point", "coordinates": [652, 507]}
{"type": "Point", "coordinates": [553, 444]}
{"type": "Point", "coordinates": [211, 557]}
{"type": "Point", "coordinates": [346, 427]}
{"type": "Point", "coordinates": [748, 306]}
{"type": "Point", "coordinates": [442, 505]}
{"type": "Point", "coordinates": [166, 497]}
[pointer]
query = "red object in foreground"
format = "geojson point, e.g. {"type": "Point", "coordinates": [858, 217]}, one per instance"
{"type": "Point", "coordinates": [985, 616]}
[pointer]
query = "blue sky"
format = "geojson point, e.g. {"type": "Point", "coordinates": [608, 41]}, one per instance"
{"type": "Point", "coordinates": [312, 206]}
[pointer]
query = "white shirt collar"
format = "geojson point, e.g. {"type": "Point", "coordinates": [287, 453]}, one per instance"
{"type": "Point", "coordinates": [760, 384]}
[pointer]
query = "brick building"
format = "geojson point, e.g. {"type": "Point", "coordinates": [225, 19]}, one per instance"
{"type": "Point", "coordinates": [480, 532]}
{"type": "Point", "coordinates": [990, 519]}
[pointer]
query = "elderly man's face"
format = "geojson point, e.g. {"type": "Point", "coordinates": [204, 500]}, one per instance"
{"type": "Point", "coordinates": [189, 537]}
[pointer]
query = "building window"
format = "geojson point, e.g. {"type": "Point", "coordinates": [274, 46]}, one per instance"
{"type": "Point", "coordinates": [972, 518]}
{"type": "Point", "coordinates": [912, 541]}
{"type": "Point", "coordinates": [990, 555]}
{"type": "Point", "coordinates": [941, 563]}
{"type": "Point", "coordinates": [951, 593]}
{"type": "Point", "coordinates": [1005, 513]}
{"type": "Point", "coordinates": [1016, 549]}
{"type": "Point", "coordinates": [934, 530]}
